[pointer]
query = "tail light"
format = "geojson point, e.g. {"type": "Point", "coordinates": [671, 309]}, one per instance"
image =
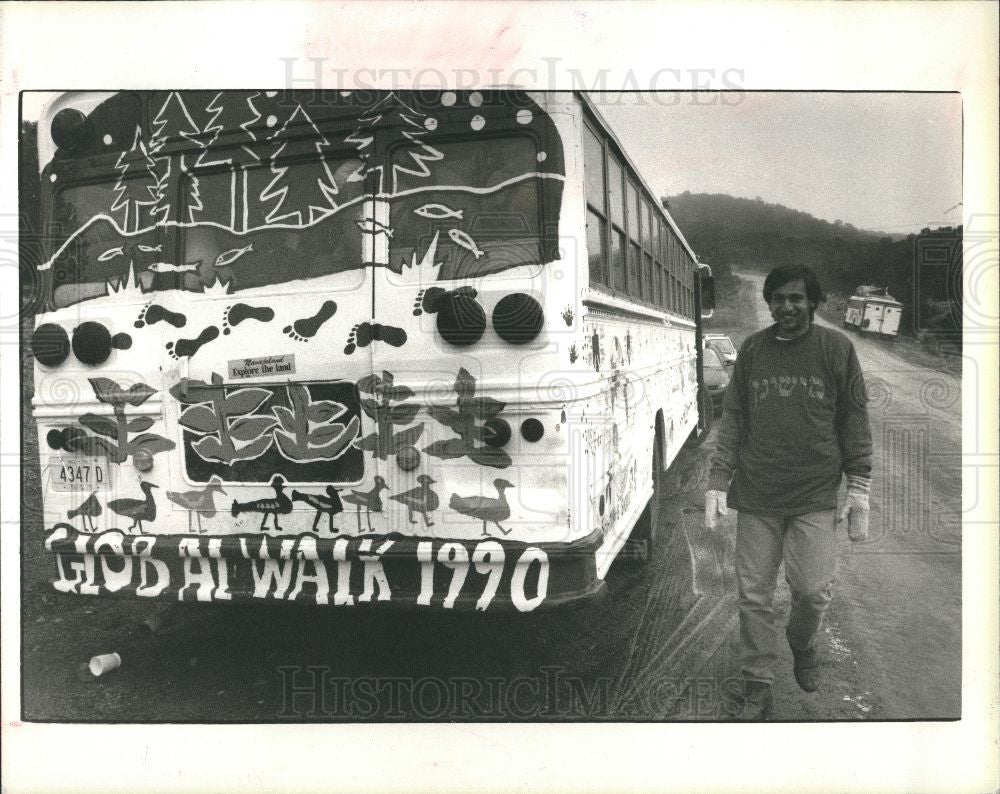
{"type": "Point", "coordinates": [92, 343]}
{"type": "Point", "coordinates": [461, 320]}
{"type": "Point", "coordinates": [50, 344]}
{"type": "Point", "coordinates": [518, 318]}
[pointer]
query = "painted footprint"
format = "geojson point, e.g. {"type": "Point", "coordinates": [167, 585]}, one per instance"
{"type": "Point", "coordinates": [305, 329]}
{"type": "Point", "coordinates": [364, 334]}
{"type": "Point", "coordinates": [426, 301]}
{"type": "Point", "coordinates": [185, 348]}
{"type": "Point", "coordinates": [239, 312]}
{"type": "Point", "coordinates": [152, 313]}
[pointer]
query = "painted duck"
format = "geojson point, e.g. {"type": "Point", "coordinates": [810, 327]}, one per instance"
{"type": "Point", "coordinates": [88, 510]}
{"type": "Point", "coordinates": [200, 503]}
{"type": "Point", "coordinates": [370, 500]}
{"type": "Point", "coordinates": [138, 510]}
{"type": "Point", "coordinates": [483, 508]}
{"type": "Point", "coordinates": [421, 500]}
{"type": "Point", "coordinates": [279, 505]}
{"type": "Point", "coordinates": [329, 504]}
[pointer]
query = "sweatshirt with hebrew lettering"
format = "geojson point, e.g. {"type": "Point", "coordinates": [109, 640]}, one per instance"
{"type": "Point", "coordinates": [794, 421]}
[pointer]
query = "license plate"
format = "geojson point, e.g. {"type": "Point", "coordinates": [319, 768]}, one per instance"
{"type": "Point", "coordinates": [79, 474]}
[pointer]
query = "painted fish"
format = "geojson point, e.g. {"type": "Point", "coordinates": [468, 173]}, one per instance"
{"type": "Point", "coordinates": [437, 212]}
{"type": "Point", "coordinates": [369, 226]}
{"type": "Point", "coordinates": [166, 267]}
{"type": "Point", "coordinates": [230, 256]}
{"type": "Point", "coordinates": [461, 238]}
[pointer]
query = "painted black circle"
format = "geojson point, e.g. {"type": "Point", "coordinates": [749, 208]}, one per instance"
{"type": "Point", "coordinates": [91, 343]}
{"type": "Point", "coordinates": [50, 344]}
{"type": "Point", "coordinates": [71, 130]}
{"type": "Point", "coordinates": [498, 434]}
{"type": "Point", "coordinates": [518, 318]}
{"type": "Point", "coordinates": [461, 320]}
{"type": "Point", "coordinates": [532, 430]}
{"type": "Point", "coordinates": [54, 438]}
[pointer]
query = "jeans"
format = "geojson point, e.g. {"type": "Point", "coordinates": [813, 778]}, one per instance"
{"type": "Point", "coordinates": [808, 545]}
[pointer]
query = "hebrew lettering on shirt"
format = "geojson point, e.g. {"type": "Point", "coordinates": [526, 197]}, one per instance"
{"type": "Point", "coordinates": [785, 385]}
{"type": "Point", "coordinates": [817, 389]}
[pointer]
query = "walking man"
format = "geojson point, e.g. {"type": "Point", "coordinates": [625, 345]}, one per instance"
{"type": "Point", "coordinates": [794, 423]}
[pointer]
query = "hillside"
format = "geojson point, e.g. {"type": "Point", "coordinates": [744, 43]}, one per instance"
{"type": "Point", "coordinates": [923, 270]}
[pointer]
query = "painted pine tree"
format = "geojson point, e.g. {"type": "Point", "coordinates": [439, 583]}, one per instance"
{"type": "Point", "coordinates": [302, 187]}
{"type": "Point", "coordinates": [234, 143]}
{"type": "Point", "coordinates": [135, 190]}
{"type": "Point", "coordinates": [172, 125]}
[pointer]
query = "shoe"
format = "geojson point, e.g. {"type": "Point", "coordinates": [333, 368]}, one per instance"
{"type": "Point", "coordinates": [807, 670]}
{"type": "Point", "coordinates": [757, 702]}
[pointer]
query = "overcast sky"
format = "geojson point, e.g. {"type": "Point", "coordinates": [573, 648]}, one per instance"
{"type": "Point", "coordinates": [885, 162]}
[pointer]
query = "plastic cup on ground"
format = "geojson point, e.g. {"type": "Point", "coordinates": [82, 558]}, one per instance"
{"type": "Point", "coordinates": [105, 663]}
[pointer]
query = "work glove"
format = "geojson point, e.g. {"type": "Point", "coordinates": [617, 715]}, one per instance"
{"type": "Point", "coordinates": [715, 506]}
{"type": "Point", "coordinates": [856, 508]}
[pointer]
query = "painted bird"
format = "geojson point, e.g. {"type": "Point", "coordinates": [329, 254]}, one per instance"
{"type": "Point", "coordinates": [370, 500]}
{"type": "Point", "coordinates": [88, 510]}
{"type": "Point", "coordinates": [200, 503]}
{"type": "Point", "coordinates": [280, 504]}
{"type": "Point", "coordinates": [329, 504]}
{"type": "Point", "coordinates": [138, 510]}
{"type": "Point", "coordinates": [483, 508]}
{"type": "Point", "coordinates": [421, 500]}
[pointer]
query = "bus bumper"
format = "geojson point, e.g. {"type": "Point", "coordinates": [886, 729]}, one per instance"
{"type": "Point", "coordinates": [391, 570]}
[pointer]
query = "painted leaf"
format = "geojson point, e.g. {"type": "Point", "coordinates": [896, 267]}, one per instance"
{"type": "Point", "coordinates": [336, 448]}
{"type": "Point", "coordinates": [324, 410]}
{"type": "Point", "coordinates": [190, 390]}
{"type": "Point", "coordinates": [402, 414]}
{"type": "Point", "coordinates": [398, 393]}
{"type": "Point", "coordinates": [287, 446]}
{"type": "Point", "coordinates": [209, 448]}
{"type": "Point", "coordinates": [251, 427]}
{"type": "Point", "coordinates": [246, 401]}
{"type": "Point", "coordinates": [95, 447]}
{"type": "Point", "coordinates": [406, 438]}
{"type": "Point", "coordinates": [369, 383]}
{"type": "Point", "coordinates": [325, 434]}
{"type": "Point", "coordinates": [447, 449]}
{"type": "Point", "coordinates": [298, 396]}
{"type": "Point", "coordinates": [481, 407]}
{"type": "Point", "coordinates": [152, 443]}
{"type": "Point", "coordinates": [216, 379]}
{"type": "Point", "coordinates": [100, 424]}
{"type": "Point", "coordinates": [200, 419]}
{"type": "Point", "coordinates": [368, 444]}
{"type": "Point", "coordinates": [105, 389]}
{"type": "Point", "coordinates": [370, 407]}
{"type": "Point", "coordinates": [254, 449]}
{"type": "Point", "coordinates": [140, 423]}
{"type": "Point", "coordinates": [285, 417]}
{"type": "Point", "coordinates": [490, 456]}
{"type": "Point", "coordinates": [465, 384]}
{"type": "Point", "coordinates": [138, 394]}
{"type": "Point", "coordinates": [445, 416]}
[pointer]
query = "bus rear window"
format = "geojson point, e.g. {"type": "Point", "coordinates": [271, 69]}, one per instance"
{"type": "Point", "coordinates": [477, 211]}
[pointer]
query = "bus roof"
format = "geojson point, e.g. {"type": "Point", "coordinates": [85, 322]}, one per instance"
{"type": "Point", "coordinates": [606, 128]}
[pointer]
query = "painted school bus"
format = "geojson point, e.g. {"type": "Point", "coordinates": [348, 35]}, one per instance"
{"type": "Point", "coordinates": [413, 348]}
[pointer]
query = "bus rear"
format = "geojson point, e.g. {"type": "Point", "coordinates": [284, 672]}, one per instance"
{"type": "Point", "coordinates": [313, 346]}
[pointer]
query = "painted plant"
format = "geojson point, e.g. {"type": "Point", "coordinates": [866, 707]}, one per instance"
{"type": "Point", "coordinates": [388, 408]}
{"type": "Point", "coordinates": [307, 430]}
{"type": "Point", "coordinates": [225, 419]}
{"type": "Point", "coordinates": [465, 422]}
{"type": "Point", "coordinates": [113, 437]}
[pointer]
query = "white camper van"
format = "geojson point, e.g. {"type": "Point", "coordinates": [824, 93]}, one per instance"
{"type": "Point", "coordinates": [873, 310]}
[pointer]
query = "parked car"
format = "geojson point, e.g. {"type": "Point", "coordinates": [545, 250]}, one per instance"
{"type": "Point", "coordinates": [722, 345]}
{"type": "Point", "coordinates": [717, 373]}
